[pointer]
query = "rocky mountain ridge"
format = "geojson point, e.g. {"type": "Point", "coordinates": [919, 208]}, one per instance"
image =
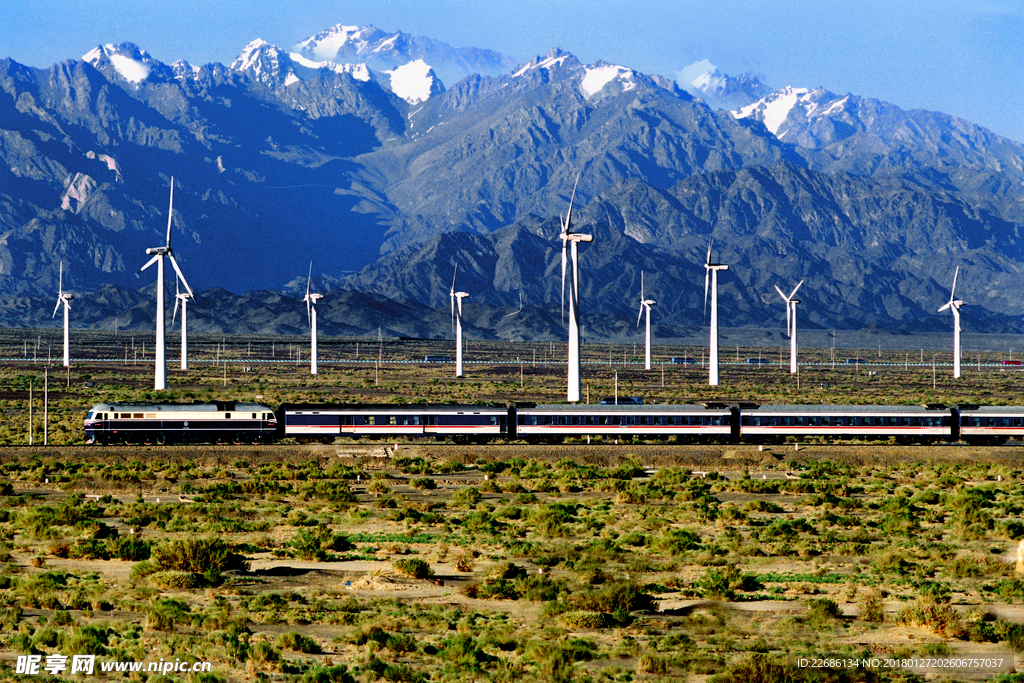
{"type": "Point", "coordinates": [288, 156]}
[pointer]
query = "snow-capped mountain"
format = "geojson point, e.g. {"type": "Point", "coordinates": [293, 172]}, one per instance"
{"type": "Point", "coordinates": [782, 110]}
{"type": "Point", "coordinates": [383, 51]}
{"type": "Point", "coordinates": [266, 64]}
{"type": "Point", "coordinates": [414, 82]}
{"type": "Point", "coordinates": [128, 62]}
{"type": "Point", "coordinates": [389, 179]}
{"type": "Point", "coordinates": [723, 91]}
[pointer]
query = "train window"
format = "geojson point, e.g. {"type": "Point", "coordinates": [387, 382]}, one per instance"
{"type": "Point", "coordinates": [370, 420]}
{"type": "Point", "coordinates": [590, 419]}
{"type": "Point", "coordinates": [105, 417]}
{"type": "Point", "coordinates": [227, 416]}
{"type": "Point", "coordinates": [138, 416]}
{"type": "Point", "coordinates": [254, 416]}
{"type": "Point", "coordinates": [630, 419]}
{"type": "Point", "coordinates": [575, 419]}
{"type": "Point", "coordinates": [392, 420]}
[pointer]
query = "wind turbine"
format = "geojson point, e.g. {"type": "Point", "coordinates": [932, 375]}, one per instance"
{"type": "Point", "coordinates": [791, 323]}
{"type": "Point", "coordinates": [64, 298]}
{"type": "Point", "coordinates": [457, 322]}
{"type": "Point", "coordinates": [645, 304]}
{"type": "Point", "coordinates": [711, 275]}
{"type": "Point", "coordinates": [182, 298]}
{"type": "Point", "coordinates": [954, 305]}
{"type": "Point", "coordinates": [311, 300]}
{"type": "Point", "coordinates": [158, 253]}
{"type": "Point", "coordinates": [570, 240]}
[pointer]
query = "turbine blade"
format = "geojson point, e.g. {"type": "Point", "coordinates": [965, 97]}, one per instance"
{"type": "Point", "coordinates": [707, 279]}
{"type": "Point", "coordinates": [640, 315]}
{"type": "Point", "coordinates": [60, 282]}
{"type": "Point", "coordinates": [568, 218]}
{"type": "Point", "coordinates": [781, 293]}
{"type": "Point", "coordinates": [150, 262]}
{"type": "Point", "coordinates": [174, 316]}
{"type": "Point", "coordinates": [174, 262]}
{"type": "Point", "coordinates": [953, 288]}
{"type": "Point", "coordinates": [945, 307]}
{"type": "Point", "coordinates": [309, 278]}
{"type": "Point", "coordinates": [641, 285]}
{"type": "Point", "coordinates": [793, 293]}
{"type": "Point", "coordinates": [453, 277]}
{"type": "Point", "coordinates": [170, 214]}
{"type": "Point", "coordinates": [710, 242]}
{"type": "Point", "coordinates": [59, 299]}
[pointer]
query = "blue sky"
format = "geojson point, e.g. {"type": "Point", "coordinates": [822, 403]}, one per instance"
{"type": "Point", "coordinates": [962, 58]}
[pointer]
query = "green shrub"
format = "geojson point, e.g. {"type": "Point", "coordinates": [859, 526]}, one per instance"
{"type": "Point", "coordinates": [763, 506]}
{"type": "Point", "coordinates": [296, 642]}
{"type": "Point", "coordinates": [466, 497]}
{"type": "Point", "coordinates": [328, 674]}
{"type": "Point", "coordinates": [177, 580]}
{"type": "Point", "coordinates": [820, 611]}
{"type": "Point", "coordinates": [401, 642]}
{"type": "Point", "coordinates": [425, 483]}
{"type": "Point", "coordinates": [415, 568]}
{"type": "Point", "coordinates": [584, 619]}
{"type": "Point", "coordinates": [199, 556]}
{"type": "Point", "coordinates": [677, 541]}
{"type": "Point", "coordinates": [872, 608]}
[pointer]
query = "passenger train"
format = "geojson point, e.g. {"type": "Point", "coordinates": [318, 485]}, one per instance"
{"type": "Point", "coordinates": [231, 422]}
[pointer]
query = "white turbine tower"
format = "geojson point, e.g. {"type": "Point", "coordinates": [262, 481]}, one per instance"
{"type": "Point", "coordinates": [457, 298]}
{"type": "Point", "coordinates": [791, 323]}
{"type": "Point", "coordinates": [64, 298]}
{"type": "Point", "coordinates": [182, 298]}
{"type": "Point", "coordinates": [711, 274]}
{"type": "Point", "coordinates": [645, 304]}
{"type": "Point", "coordinates": [311, 300]}
{"type": "Point", "coordinates": [570, 240]}
{"type": "Point", "coordinates": [954, 305]}
{"type": "Point", "coordinates": [158, 253]}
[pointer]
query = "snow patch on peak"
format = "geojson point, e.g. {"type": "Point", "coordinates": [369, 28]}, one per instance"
{"type": "Point", "coordinates": [94, 55]}
{"type": "Point", "coordinates": [324, 46]}
{"type": "Point", "coordinates": [132, 69]}
{"type": "Point", "coordinates": [413, 82]}
{"type": "Point", "coordinates": [709, 80]}
{"type": "Point", "coordinates": [596, 78]}
{"type": "Point", "coordinates": [248, 58]}
{"type": "Point", "coordinates": [133, 64]}
{"type": "Point", "coordinates": [774, 109]}
{"type": "Point", "coordinates": [358, 71]}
